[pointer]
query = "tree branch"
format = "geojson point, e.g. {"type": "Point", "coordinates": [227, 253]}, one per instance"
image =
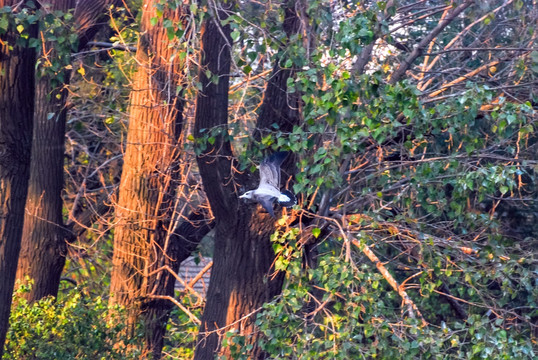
{"type": "Point", "coordinates": [463, 78]}
{"type": "Point", "coordinates": [364, 57]}
{"type": "Point", "coordinates": [483, 49]}
{"type": "Point", "coordinates": [179, 305]}
{"type": "Point", "coordinates": [216, 160]}
{"type": "Point", "coordinates": [419, 49]}
{"type": "Point", "coordinates": [411, 307]}
{"type": "Point", "coordinates": [114, 46]}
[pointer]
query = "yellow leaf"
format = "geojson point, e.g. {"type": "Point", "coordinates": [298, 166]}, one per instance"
{"type": "Point", "coordinates": [81, 70]}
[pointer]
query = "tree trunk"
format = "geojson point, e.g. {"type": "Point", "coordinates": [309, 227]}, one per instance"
{"type": "Point", "coordinates": [43, 246]}
{"type": "Point", "coordinates": [242, 277]}
{"type": "Point", "coordinates": [16, 115]}
{"type": "Point", "coordinates": [143, 242]}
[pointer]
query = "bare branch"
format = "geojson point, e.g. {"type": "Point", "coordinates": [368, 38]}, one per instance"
{"type": "Point", "coordinates": [484, 49]}
{"type": "Point", "coordinates": [418, 50]}
{"type": "Point", "coordinates": [412, 308]}
{"type": "Point", "coordinates": [179, 305]}
{"type": "Point", "coordinates": [463, 78]}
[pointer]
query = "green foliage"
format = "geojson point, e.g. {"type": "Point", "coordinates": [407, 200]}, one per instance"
{"type": "Point", "coordinates": [55, 42]}
{"type": "Point", "coordinates": [351, 315]}
{"type": "Point", "coordinates": [20, 22]}
{"type": "Point", "coordinates": [75, 327]}
{"type": "Point", "coordinates": [181, 332]}
{"type": "Point", "coordinates": [442, 191]}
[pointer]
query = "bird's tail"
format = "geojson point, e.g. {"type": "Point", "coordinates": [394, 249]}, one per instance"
{"type": "Point", "coordinates": [287, 199]}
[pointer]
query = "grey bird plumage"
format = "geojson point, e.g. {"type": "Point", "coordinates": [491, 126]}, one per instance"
{"type": "Point", "coordinates": [268, 190]}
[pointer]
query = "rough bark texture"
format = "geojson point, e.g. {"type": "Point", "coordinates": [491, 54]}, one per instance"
{"type": "Point", "coordinates": [189, 234]}
{"type": "Point", "coordinates": [90, 16]}
{"type": "Point", "coordinates": [278, 106]}
{"type": "Point", "coordinates": [143, 242]}
{"type": "Point", "coordinates": [242, 278]}
{"type": "Point", "coordinates": [16, 114]}
{"type": "Point", "coordinates": [43, 247]}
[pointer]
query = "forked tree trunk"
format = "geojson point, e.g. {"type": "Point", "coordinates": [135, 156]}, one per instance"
{"type": "Point", "coordinates": [16, 116]}
{"type": "Point", "coordinates": [43, 247]}
{"type": "Point", "coordinates": [242, 277]}
{"type": "Point", "coordinates": [143, 245]}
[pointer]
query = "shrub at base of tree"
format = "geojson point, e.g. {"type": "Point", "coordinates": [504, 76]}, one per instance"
{"type": "Point", "coordinates": [72, 327]}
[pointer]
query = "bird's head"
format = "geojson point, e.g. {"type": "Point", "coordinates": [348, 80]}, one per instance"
{"type": "Point", "coordinates": [247, 195]}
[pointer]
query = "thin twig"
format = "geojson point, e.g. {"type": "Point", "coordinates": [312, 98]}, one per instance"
{"type": "Point", "coordinates": [483, 49]}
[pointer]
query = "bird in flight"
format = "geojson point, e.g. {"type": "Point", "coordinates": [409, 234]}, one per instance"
{"type": "Point", "coordinates": [269, 189]}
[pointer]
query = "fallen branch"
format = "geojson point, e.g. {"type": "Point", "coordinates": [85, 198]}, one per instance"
{"type": "Point", "coordinates": [463, 78]}
{"type": "Point", "coordinates": [412, 308]}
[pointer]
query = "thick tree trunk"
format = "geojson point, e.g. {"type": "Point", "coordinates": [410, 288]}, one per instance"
{"type": "Point", "coordinates": [43, 247]}
{"type": "Point", "coordinates": [143, 241]}
{"type": "Point", "coordinates": [242, 277]}
{"type": "Point", "coordinates": [242, 280]}
{"type": "Point", "coordinates": [16, 117]}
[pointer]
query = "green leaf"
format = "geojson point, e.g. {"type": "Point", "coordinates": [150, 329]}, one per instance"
{"type": "Point", "coordinates": [235, 35]}
{"type": "Point", "coordinates": [193, 8]}
{"type": "Point", "coordinates": [4, 23]}
{"type": "Point", "coordinates": [316, 232]}
{"type": "Point", "coordinates": [288, 63]}
{"type": "Point", "coordinates": [510, 118]}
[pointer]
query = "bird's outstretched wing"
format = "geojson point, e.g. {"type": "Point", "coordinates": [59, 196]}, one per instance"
{"type": "Point", "coordinates": [270, 170]}
{"type": "Point", "coordinates": [267, 203]}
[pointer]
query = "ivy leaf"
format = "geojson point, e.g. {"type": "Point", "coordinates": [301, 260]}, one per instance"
{"type": "Point", "coordinates": [235, 35]}
{"type": "Point", "coordinates": [4, 23]}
